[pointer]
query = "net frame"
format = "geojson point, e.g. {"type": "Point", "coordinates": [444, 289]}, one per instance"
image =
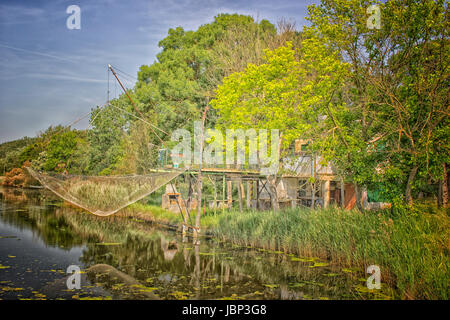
{"type": "Point", "coordinates": [67, 187]}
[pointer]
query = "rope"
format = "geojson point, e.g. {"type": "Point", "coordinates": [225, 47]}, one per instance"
{"type": "Point", "coordinates": [126, 74]}
{"type": "Point", "coordinates": [133, 115]}
{"type": "Point", "coordinates": [104, 195]}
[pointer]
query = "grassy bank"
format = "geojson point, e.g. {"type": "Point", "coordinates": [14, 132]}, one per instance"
{"type": "Point", "coordinates": [157, 214]}
{"type": "Point", "coordinates": [411, 248]}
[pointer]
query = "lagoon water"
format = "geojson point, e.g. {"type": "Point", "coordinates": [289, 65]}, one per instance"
{"type": "Point", "coordinates": [122, 258]}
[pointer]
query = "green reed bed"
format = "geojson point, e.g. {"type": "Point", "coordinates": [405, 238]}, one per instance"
{"type": "Point", "coordinates": [411, 249]}
{"type": "Point", "coordinates": [410, 246]}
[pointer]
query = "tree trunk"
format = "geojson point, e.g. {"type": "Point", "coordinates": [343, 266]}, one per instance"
{"type": "Point", "coordinates": [445, 187]}
{"type": "Point", "coordinates": [342, 194]}
{"type": "Point", "coordinates": [358, 197]}
{"type": "Point", "coordinates": [313, 194]}
{"type": "Point", "coordinates": [412, 176]}
{"type": "Point", "coordinates": [439, 195]}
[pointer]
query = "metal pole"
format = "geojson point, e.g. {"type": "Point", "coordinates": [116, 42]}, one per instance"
{"type": "Point", "coordinates": [132, 102]}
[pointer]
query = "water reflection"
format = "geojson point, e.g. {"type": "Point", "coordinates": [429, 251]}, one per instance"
{"type": "Point", "coordinates": [123, 258]}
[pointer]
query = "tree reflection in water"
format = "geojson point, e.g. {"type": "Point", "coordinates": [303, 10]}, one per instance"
{"type": "Point", "coordinates": [130, 259]}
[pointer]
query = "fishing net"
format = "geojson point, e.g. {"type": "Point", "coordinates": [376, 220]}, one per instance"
{"type": "Point", "coordinates": [103, 195]}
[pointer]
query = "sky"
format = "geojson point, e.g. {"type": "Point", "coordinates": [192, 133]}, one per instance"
{"type": "Point", "coordinates": [50, 74]}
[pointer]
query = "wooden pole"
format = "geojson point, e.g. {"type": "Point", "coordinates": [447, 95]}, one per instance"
{"type": "Point", "coordinates": [326, 195]}
{"type": "Point", "coordinates": [313, 185]}
{"type": "Point", "coordinates": [240, 194]}
{"type": "Point", "coordinates": [445, 187]}
{"type": "Point", "coordinates": [134, 106]}
{"type": "Point", "coordinates": [199, 178]}
{"type": "Point", "coordinates": [229, 194]}
{"type": "Point", "coordinates": [215, 196]}
{"type": "Point", "coordinates": [223, 194]}
{"type": "Point", "coordinates": [257, 194]}
{"type": "Point", "coordinates": [249, 193]}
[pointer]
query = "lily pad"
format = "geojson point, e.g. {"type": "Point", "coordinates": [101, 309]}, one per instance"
{"type": "Point", "coordinates": [108, 244]}
{"type": "Point", "coordinates": [296, 285]}
{"type": "Point", "coordinates": [331, 274]}
{"type": "Point", "coordinates": [319, 264]}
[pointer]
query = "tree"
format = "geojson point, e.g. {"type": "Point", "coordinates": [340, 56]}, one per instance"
{"type": "Point", "coordinates": [109, 127]}
{"type": "Point", "coordinates": [179, 84]}
{"type": "Point", "coordinates": [409, 75]}
{"type": "Point", "coordinates": [63, 151]}
{"type": "Point", "coordinates": [291, 92]}
{"type": "Point", "coordinates": [396, 88]}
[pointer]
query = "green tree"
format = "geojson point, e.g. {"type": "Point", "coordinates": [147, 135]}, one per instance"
{"type": "Point", "coordinates": [64, 151]}
{"type": "Point", "coordinates": [178, 86]}
{"type": "Point", "coordinates": [109, 126]}
{"type": "Point", "coordinates": [291, 92]}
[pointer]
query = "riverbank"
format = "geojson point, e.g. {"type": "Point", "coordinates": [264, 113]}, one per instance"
{"type": "Point", "coordinates": [411, 248]}
{"type": "Point", "coordinates": [126, 258]}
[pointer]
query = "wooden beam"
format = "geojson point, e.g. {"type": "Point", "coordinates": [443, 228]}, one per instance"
{"type": "Point", "coordinates": [326, 194]}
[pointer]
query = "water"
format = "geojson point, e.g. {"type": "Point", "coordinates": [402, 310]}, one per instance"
{"type": "Point", "coordinates": [122, 258]}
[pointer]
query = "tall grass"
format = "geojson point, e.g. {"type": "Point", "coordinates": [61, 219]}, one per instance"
{"type": "Point", "coordinates": [410, 246]}
{"type": "Point", "coordinates": [411, 249]}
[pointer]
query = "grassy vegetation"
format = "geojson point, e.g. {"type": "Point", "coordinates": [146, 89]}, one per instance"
{"type": "Point", "coordinates": [152, 213]}
{"type": "Point", "coordinates": [411, 248]}
{"type": "Point", "coordinates": [101, 195]}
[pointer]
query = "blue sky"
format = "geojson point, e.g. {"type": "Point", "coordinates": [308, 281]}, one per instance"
{"type": "Point", "coordinates": [51, 75]}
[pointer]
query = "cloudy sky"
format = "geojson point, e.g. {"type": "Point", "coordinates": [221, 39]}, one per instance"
{"type": "Point", "coordinates": [51, 75]}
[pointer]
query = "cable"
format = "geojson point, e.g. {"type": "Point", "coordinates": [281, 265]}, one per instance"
{"type": "Point", "coordinates": [133, 115]}
{"type": "Point", "coordinates": [107, 95]}
{"type": "Point", "coordinates": [117, 69]}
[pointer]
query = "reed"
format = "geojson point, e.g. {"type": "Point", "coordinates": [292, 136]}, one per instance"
{"type": "Point", "coordinates": [410, 246]}
{"type": "Point", "coordinates": [411, 249]}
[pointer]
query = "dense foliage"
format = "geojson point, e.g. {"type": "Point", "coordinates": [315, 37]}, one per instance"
{"type": "Point", "coordinates": [373, 102]}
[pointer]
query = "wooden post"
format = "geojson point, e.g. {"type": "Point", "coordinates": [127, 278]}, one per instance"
{"type": "Point", "coordinates": [257, 194]}
{"type": "Point", "coordinates": [187, 206]}
{"type": "Point", "coordinates": [229, 194]}
{"type": "Point", "coordinates": [326, 194]}
{"type": "Point", "coordinates": [223, 194]}
{"type": "Point", "coordinates": [249, 194]}
{"type": "Point", "coordinates": [215, 196]}
{"type": "Point", "coordinates": [313, 184]}
{"type": "Point", "coordinates": [445, 187]}
{"type": "Point", "coordinates": [239, 184]}
{"type": "Point", "coordinates": [199, 178]}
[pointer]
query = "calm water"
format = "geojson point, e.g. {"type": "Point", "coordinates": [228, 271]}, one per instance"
{"type": "Point", "coordinates": [122, 258]}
